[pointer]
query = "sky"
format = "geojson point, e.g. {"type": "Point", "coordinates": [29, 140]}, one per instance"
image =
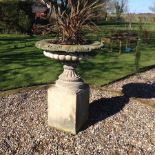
{"type": "Point", "coordinates": [140, 6]}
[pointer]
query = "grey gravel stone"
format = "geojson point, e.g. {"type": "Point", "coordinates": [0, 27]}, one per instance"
{"type": "Point", "coordinates": [119, 124]}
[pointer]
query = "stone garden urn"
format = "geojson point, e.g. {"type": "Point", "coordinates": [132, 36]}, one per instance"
{"type": "Point", "coordinates": [68, 99]}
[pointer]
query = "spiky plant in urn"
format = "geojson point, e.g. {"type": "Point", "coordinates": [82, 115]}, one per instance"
{"type": "Point", "coordinates": [68, 99]}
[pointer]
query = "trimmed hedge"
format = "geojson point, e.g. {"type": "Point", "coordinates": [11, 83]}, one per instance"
{"type": "Point", "coordinates": [16, 16]}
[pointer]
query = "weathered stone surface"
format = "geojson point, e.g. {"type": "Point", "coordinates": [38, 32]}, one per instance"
{"type": "Point", "coordinates": [68, 108]}
{"type": "Point", "coordinates": [47, 46]}
{"type": "Point", "coordinates": [68, 100]}
{"type": "Point", "coordinates": [65, 57]}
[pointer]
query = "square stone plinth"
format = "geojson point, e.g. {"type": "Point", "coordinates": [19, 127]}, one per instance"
{"type": "Point", "coordinates": [68, 109]}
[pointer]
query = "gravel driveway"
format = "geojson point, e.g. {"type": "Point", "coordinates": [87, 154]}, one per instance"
{"type": "Point", "coordinates": [121, 122]}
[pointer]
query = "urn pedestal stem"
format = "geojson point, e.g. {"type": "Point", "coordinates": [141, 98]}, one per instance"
{"type": "Point", "coordinates": [69, 73]}
{"type": "Point", "coordinates": [68, 101]}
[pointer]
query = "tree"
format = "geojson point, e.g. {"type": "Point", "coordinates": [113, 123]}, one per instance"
{"type": "Point", "coordinates": [130, 18]}
{"type": "Point", "coordinates": [16, 15]}
{"type": "Point", "coordinates": [26, 7]}
{"type": "Point", "coordinates": [118, 7]}
{"type": "Point", "coordinates": [152, 8]}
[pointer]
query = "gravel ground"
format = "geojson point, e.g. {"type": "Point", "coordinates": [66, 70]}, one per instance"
{"type": "Point", "coordinates": [119, 124]}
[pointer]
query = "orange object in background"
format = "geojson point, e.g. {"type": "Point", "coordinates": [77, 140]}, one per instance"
{"type": "Point", "coordinates": [40, 14]}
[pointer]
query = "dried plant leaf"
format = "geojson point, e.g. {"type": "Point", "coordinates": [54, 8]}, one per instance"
{"type": "Point", "coordinates": [77, 17]}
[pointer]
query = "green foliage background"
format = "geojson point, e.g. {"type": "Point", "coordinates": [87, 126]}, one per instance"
{"type": "Point", "coordinates": [16, 16]}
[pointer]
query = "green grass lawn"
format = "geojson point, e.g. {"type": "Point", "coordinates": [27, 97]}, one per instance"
{"type": "Point", "coordinates": [21, 64]}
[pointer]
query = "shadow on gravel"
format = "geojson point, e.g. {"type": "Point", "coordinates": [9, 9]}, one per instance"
{"type": "Point", "coordinates": [139, 90]}
{"type": "Point", "coordinates": [106, 107]}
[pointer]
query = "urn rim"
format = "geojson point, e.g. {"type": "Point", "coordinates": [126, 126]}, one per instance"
{"type": "Point", "coordinates": [46, 45]}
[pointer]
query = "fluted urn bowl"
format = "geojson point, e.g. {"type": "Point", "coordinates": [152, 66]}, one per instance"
{"type": "Point", "coordinates": [70, 53]}
{"type": "Point", "coordinates": [68, 99]}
